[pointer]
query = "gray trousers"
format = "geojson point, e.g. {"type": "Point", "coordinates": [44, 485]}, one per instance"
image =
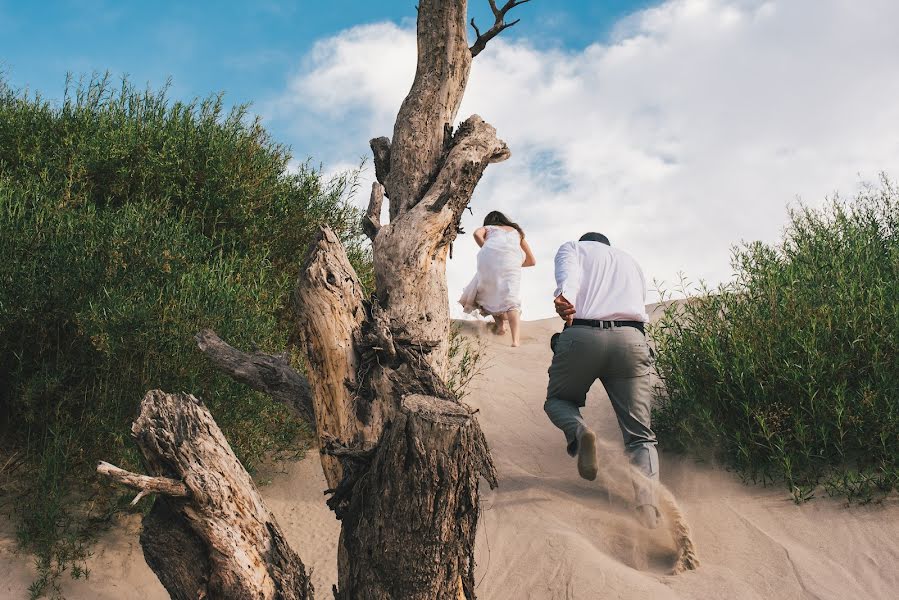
{"type": "Point", "coordinates": [619, 357]}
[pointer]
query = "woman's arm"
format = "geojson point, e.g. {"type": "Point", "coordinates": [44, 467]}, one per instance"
{"type": "Point", "coordinates": [480, 235]}
{"type": "Point", "coordinates": [529, 260]}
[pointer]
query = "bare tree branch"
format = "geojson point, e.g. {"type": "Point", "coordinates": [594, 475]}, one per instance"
{"type": "Point", "coordinates": [267, 373]}
{"type": "Point", "coordinates": [380, 148]}
{"type": "Point", "coordinates": [498, 26]}
{"type": "Point", "coordinates": [145, 483]}
{"type": "Point", "coordinates": [371, 222]}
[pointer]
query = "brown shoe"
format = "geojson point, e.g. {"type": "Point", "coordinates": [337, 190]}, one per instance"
{"type": "Point", "coordinates": [586, 453]}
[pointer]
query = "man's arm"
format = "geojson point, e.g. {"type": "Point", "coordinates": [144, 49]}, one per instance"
{"type": "Point", "coordinates": [567, 280]}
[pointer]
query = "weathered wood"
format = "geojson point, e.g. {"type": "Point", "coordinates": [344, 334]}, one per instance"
{"type": "Point", "coordinates": [267, 373]}
{"type": "Point", "coordinates": [330, 310]}
{"type": "Point", "coordinates": [174, 552]}
{"type": "Point", "coordinates": [410, 252]}
{"type": "Point", "coordinates": [402, 457]}
{"type": "Point", "coordinates": [380, 148]}
{"type": "Point", "coordinates": [441, 73]}
{"type": "Point", "coordinates": [144, 483]}
{"type": "Point", "coordinates": [371, 222]}
{"type": "Point", "coordinates": [417, 505]}
{"type": "Point", "coordinates": [221, 529]}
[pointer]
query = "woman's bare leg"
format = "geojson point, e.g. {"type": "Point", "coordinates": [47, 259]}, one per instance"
{"type": "Point", "coordinates": [514, 317]}
{"type": "Point", "coordinates": [499, 327]}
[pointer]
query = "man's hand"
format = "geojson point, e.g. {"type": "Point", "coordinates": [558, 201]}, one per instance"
{"type": "Point", "coordinates": [564, 308]}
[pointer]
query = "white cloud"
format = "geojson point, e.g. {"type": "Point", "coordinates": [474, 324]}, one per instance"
{"type": "Point", "coordinates": [692, 129]}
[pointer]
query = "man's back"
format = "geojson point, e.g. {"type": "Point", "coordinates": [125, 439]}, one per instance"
{"type": "Point", "coordinates": [604, 283]}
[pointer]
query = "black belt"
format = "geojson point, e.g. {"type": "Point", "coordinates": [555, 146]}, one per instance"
{"type": "Point", "coordinates": [609, 324]}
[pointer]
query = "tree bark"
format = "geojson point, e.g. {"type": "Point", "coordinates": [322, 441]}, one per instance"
{"type": "Point", "coordinates": [444, 62]}
{"type": "Point", "coordinates": [333, 310]}
{"type": "Point", "coordinates": [366, 360]}
{"type": "Point", "coordinates": [215, 538]}
{"type": "Point", "coordinates": [410, 252]}
{"type": "Point", "coordinates": [402, 456]}
{"type": "Point", "coordinates": [267, 373]}
{"type": "Point", "coordinates": [417, 505]}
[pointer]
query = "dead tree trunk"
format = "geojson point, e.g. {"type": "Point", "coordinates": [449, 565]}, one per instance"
{"type": "Point", "coordinates": [402, 456]}
{"type": "Point", "coordinates": [209, 534]}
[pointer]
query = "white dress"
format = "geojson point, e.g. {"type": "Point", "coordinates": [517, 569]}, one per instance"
{"type": "Point", "coordinates": [496, 287]}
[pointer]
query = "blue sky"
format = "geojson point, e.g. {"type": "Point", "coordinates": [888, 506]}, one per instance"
{"type": "Point", "coordinates": [676, 127]}
{"type": "Point", "coordinates": [246, 49]}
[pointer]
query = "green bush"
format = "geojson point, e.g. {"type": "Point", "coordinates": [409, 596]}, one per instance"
{"type": "Point", "coordinates": [128, 222]}
{"type": "Point", "coordinates": [791, 371]}
{"type": "Point", "coordinates": [466, 356]}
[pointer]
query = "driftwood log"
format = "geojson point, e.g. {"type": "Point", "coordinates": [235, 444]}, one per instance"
{"type": "Point", "coordinates": [208, 534]}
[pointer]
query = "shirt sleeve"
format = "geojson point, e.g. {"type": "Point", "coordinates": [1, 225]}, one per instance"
{"type": "Point", "coordinates": [567, 272]}
{"type": "Point", "coordinates": [642, 282]}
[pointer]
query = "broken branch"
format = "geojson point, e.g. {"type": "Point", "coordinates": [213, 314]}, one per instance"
{"type": "Point", "coordinates": [371, 222]}
{"type": "Point", "coordinates": [267, 373]}
{"type": "Point", "coordinates": [380, 148]}
{"type": "Point", "coordinates": [498, 26]}
{"type": "Point", "coordinates": [145, 483]}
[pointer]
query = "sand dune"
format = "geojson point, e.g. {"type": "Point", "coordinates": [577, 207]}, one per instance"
{"type": "Point", "coordinates": [546, 534]}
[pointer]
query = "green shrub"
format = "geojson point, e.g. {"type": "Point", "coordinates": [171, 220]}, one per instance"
{"type": "Point", "coordinates": [791, 371]}
{"type": "Point", "coordinates": [466, 360]}
{"type": "Point", "coordinates": [128, 222]}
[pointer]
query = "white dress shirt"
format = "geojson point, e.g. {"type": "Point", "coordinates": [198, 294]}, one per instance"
{"type": "Point", "coordinates": [602, 282]}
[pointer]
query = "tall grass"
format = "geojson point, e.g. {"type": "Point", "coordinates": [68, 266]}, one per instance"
{"type": "Point", "coordinates": [791, 371]}
{"type": "Point", "coordinates": [466, 360]}
{"type": "Point", "coordinates": [128, 221]}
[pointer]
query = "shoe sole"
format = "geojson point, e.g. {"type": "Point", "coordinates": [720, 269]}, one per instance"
{"type": "Point", "coordinates": [586, 456]}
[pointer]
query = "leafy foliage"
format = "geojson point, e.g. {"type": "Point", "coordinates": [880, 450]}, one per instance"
{"type": "Point", "coordinates": [791, 370]}
{"type": "Point", "coordinates": [128, 221]}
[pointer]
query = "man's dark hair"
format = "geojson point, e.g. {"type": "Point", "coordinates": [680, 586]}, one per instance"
{"type": "Point", "coordinates": [592, 236]}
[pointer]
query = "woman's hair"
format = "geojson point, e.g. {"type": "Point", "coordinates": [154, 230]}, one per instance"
{"type": "Point", "coordinates": [495, 217]}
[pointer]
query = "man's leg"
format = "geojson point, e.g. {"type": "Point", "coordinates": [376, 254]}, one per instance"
{"type": "Point", "coordinates": [630, 392]}
{"type": "Point", "coordinates": [570, 377]}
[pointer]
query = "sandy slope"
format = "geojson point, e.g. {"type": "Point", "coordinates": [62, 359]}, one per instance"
{"type": "Point", "coordinates": [547, 534]}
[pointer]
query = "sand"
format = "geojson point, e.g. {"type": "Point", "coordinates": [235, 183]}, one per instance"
{"type": "Point", "coordinates": [546, 534]}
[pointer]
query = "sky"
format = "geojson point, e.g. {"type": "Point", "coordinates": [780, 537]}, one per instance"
{"type": "Point", "coordinates": [678, 128]}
